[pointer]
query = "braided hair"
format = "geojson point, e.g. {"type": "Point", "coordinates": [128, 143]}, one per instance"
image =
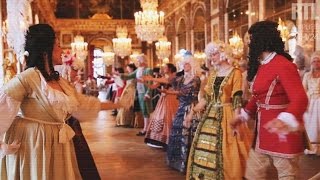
{"type": "Point", "coordinates": [264, 37]}
{"type": "Point", "coordinates": [40, 40]}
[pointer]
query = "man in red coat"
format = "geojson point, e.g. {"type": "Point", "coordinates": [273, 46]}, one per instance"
{"type": "Point", "coordinates": [278, 103]}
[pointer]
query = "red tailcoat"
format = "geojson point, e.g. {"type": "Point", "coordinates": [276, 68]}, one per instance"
{"type": "Point", "coordinates": [288, 95]}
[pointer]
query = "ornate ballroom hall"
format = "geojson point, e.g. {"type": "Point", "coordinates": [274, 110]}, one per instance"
{"type": "Point", "coordinates": [104, 34]}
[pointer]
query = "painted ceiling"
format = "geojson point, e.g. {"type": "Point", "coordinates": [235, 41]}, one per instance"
{"type": "Point", "coordinates": [87, 8]}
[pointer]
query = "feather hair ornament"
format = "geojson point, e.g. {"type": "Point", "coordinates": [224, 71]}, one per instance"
{"type": "Point", "coordinates": [18, 23]}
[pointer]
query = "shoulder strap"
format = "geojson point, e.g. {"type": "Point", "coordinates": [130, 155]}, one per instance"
{"type": "Point", "coordinates": [271, 88]}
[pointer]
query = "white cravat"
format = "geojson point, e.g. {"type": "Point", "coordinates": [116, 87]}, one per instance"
{"type": "Point", "coordinates": [267, 59]}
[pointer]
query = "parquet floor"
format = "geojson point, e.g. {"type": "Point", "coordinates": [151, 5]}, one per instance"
{"type": "Point", "coordinates": [121, 155]}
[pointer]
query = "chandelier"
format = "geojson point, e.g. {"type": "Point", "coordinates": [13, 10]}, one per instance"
{"type": "Point", "coordinates": [134, 57]}
{"type": "Point", "coordinates": [163, 48]}
{"type": "Point", "coordinates": [79, 48]}
{"type": "Point", "coordinates": [236, 44]}
{"type": "Point", "coordinates": [284, 32]}
{"type": "Point", "coordinates": [149, 24]}
{"type": "Point", "coordinates": [122, 44]}
{"type": "Point", "coordinates": [200, 56]}
{"type": "Point", "coordinates": [108, 56]}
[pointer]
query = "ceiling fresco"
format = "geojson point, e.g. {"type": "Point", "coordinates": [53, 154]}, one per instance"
{"type": "Point", "coordinates": [87, 8]}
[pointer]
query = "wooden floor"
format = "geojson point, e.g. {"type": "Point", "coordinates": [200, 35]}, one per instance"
{"type": "Point", "coordinates": [121, 155]}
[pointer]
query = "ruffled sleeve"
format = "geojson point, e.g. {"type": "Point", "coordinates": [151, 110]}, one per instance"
{"type": "Point", "coordinates": [88, 109]}
{"type": "Point", "coordinates": [11, 96]}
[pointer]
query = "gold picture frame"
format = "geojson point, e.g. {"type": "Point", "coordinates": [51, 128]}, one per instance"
{"type": "Point", "coordinates": [66, 38]}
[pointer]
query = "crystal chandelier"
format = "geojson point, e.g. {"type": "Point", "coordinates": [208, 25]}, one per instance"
{"type": "Point", "coordinates": [122, 44]}
{"type": "Point", "coordinates": [149, 23]}
{"type": "Point", "coordinates": [163, 48]}
{"type": "Point", "coordinates": [79, 48]}
{"type": "Point", "coordinates": [200, 56]}
{"type": "Point", "coordinates": [236, 44]}
{"type": "Point", "coordinates": [108, 56]}
{"type": "Point", "coordinates": [133, 57]}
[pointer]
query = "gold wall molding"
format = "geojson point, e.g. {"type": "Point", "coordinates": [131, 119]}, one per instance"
{"type": "Point", "coordinates": [84, 25]}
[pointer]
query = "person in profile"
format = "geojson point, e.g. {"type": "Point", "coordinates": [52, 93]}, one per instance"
{"type": "Point", "coordinates": [39, 142]}
{"type": "Point", "coordinates": [278, 103]}
{"type": "Point", "coordinates": [144, 92]}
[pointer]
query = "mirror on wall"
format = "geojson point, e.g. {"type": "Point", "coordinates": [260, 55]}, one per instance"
{"type": "Point", "coordinates": [199, 31]}
{"type": "Point", "coordinates": [182, 34]}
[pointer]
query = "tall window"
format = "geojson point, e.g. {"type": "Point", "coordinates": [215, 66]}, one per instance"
{"type": "Point", "coordinates": [199, 31]}
{"type": "Point", "coordinates": [182, 35]}
{"type": "Point", "coordinates": [98, 65]}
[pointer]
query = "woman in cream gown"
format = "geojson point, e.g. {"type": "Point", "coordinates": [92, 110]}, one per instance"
{"type": "Point", "coordinates": [38, 144]}
{"type": "Point", "coordinates": [311, 83]}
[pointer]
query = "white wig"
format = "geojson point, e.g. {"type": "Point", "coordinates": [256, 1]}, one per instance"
{"type": "Point", "coordinates": [215, 47]}
{"type": "Point", "coordinates": [314, 55]}
{"type": "Point", "coordinates": [187, 58]}
{"type": "Point", "coordinates": [142, 58]}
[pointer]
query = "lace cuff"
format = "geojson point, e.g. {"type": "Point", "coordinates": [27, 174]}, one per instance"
{"type": "Point", "coordinates": [237, 100]}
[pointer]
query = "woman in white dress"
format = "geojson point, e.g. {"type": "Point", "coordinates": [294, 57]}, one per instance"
{"type": "Point", "coordinates": [311, 83]}
{"type": "Point", "coordinates": [38, 144]}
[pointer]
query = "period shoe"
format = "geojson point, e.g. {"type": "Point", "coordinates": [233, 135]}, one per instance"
{"type": "Point", "coordinates": [154, 146]}
{"type": "Point", "coordinates": [141, 133]}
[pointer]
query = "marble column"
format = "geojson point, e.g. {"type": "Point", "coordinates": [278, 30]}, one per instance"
{"type": "Point", "coordinates": [192, 40]}
{"type": "Point", "coordinates": [254, 11]}
{"type": "Point", "coordinates": [262, 9]}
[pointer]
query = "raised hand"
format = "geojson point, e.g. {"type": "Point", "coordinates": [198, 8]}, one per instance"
{"type": "Point", "coordinates": [187, 120]}
{"type": "Point", "coordinates": [235, 122]}
{"type": "Point", "coordinates": [277, 126]}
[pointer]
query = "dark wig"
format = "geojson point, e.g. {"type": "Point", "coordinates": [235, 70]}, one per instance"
{"type": "Point", "coordinates": [120, 70]}
{"type": "Point", "coordinates": [132, 66]}
{"type": "Point", "coordinates": [264, 38]}
{"type": "Point", "coordinates": [40, 41]}
{"type": "Point", "coordinates": [171, 67]}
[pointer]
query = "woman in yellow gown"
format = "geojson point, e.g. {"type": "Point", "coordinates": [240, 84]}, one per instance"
{"type": "Point", "coordinates": [217, 151]}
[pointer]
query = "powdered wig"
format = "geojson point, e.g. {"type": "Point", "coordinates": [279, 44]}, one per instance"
{"type": "Point", "coordinates": [219, 47]}
{"type": "Point", "coordinates": [264, 37]}
{"type": "Point", "coordinates": [187, 58]}
{"type": "Point", "coordinates": [314, 55]}
{"type": "Point", "coordinates": [142, 58]}
{"type": "Point", "coordinates": [40, 40]}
